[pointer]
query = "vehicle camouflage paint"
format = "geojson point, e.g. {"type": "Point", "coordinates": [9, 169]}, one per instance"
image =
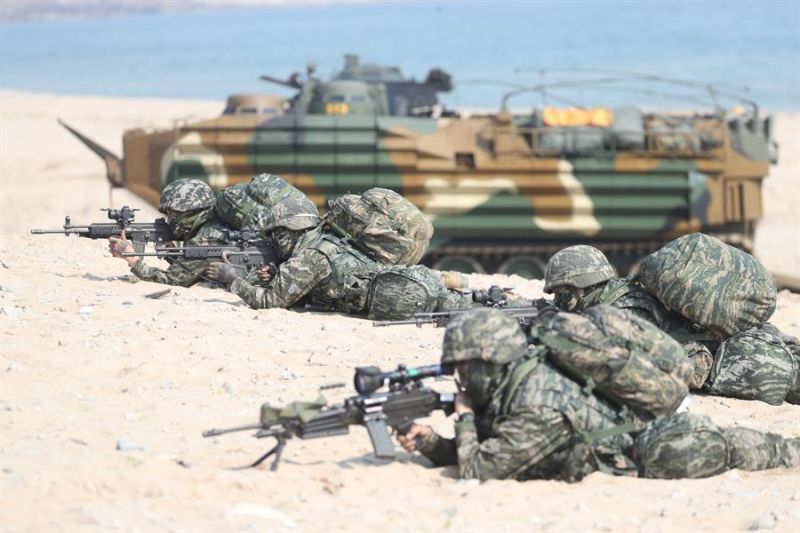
{"type": "Point", "coordinates": [504, 190]}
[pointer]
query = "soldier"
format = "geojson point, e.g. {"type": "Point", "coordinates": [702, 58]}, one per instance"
{"type": "Point", "coordinates": [520, 418]}
{"type": "Point", "coordinates": [580, 276]}
{"type": "Point", "coordinates": [329, 273]}
{"type": "Point", "coordinates": [189, 207]}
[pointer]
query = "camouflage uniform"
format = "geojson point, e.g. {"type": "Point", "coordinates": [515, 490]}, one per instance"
{"type": "Point", "coordinates": [539, 424]}
{"type": "Point", "coordinates": [585, 273]}
{"type": "Point", "coordinates": [199, 226]}
{"type": "Point", "coordinates": [323, 271]}
{"type": "Point", "coordinates": [272, 207]}
{"type": "Point", "coordinates": [328, 273]}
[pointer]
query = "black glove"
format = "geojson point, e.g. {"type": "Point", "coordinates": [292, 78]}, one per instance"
{"type": "Point", "coordinates": [221, 272]}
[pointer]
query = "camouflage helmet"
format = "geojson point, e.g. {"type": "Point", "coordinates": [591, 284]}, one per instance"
{"type": "Point", "coordinates": [486, 334]}
{"type": "Point", "coordinates": [286, 206]}
{"type": "Point", "coordinates": [185, 195]}
{"type": "Point", "coordinates": [577, 266]}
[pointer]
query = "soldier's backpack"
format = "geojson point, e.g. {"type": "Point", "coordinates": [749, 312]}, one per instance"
{"type": "Point", "coordinates": [382, 223]}
{"type": "Point", "coordinates": [284, 205]}
{"type": "Point", "coordinates": [237, 209]}
{"type": "Point", "coordinates": [682, 446]}
{"type": "Point", "coordinates": [753, 365]}
{"type": "Point", "coordinates": [712, 284]}
{"type": "Point", "coordinates": [627, 357]}
{"type": "Point", "coordinates": [267, 201]}
{"type": "Point", "coordinates": [397, 292]}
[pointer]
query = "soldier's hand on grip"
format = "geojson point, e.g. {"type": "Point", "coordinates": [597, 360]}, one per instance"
{"type": "Point", "coordinates": [119, 245]}
{"type": "Point", "coordinates": [221, 272]}
{"type": "Point", "coordinates": [417, 436]}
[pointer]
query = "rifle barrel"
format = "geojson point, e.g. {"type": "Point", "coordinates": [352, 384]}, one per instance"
{"type": "Point", "coordinates": [215, 432]}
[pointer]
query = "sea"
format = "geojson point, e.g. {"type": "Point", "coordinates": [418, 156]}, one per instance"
{"type": "Point", "coordinates": [744, 49]}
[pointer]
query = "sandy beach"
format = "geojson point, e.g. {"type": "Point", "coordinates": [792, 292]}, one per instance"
{"type": "Point", "coordinates": [89, 361]}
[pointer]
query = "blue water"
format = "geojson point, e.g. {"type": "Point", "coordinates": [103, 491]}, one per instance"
{"type": "Point", "coordinates": [209, 54]}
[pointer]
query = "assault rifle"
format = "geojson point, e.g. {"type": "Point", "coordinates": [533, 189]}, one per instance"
{"type": "Point", "coordinates": [139, 233]}
{"type": "Point", "coordinates": [403, 400]}
{"type": "Point", "coordinates": [524, 314]}
{"type": "Point", "coordinates": [246, 252]}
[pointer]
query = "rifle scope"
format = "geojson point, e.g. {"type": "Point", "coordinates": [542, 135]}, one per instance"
{"type": "Point", "coordinates": [368, 379]}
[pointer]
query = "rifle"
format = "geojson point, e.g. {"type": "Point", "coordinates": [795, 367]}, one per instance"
{"type": "Point", "coordinates": [525, 315]}
{"type": "Point", "coordinates": [404, 400]}
{"type": "Point", "coordinates": [246, 252]}
{"type": "Point", "coordinates": [140, 234]}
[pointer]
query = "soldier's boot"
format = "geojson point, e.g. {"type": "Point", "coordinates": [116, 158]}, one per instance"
{"type": "Point", "coordinates": [753, 450]}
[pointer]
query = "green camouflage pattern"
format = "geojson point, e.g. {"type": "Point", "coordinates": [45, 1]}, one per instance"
{"type": "Point", "coordinates": [753, 365]}
{"type": "Point", "coordinates": [682, 446]}
{"type": "Point", "coordinates": [486, 334]}
{"type": "Point", "coordinates": [323, 271]}
{"type": "Point", "coordinates": [237, 209]}
{"type": "Point", "coordinates": [540, 424]}
{"type": "Point", "coordinates": [454, 300]}
{"type": "Point", "coordinates": [578, 266]}
{"type": "Point", "coordinates": [265, 204]}
{"type": "Point", "coordinates": [183, 272]}
{"type": "Point", "coordinates": [392, 228]}
{"type": "Point", "coordinates": [690, 446]}
{"type": "Point", "coordinates": [186, 195]}
{"type": "Point", "coordinates": [504, 190]}
{"type": "Point", "coordinates": [628, 294]}
{"type": "Point", "coordinates": [754, 450]}
{"type": "Point", "coordinates": [285, 205]}
{"type": "Point", "coordinates": [793, 343]}
{"type": "Point", "coordinates": [396, 293]}
{"type": "Point", "coordinates": [711, 283]}
{"type": "Point", "coordinates": [628, 357]}
{"type": "Point", "coordinates": [702, 360]}
{"type": "Point", "coordinates": [535, 436]}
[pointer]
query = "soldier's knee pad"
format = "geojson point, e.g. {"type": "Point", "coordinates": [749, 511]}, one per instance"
{"type": "Point", "coordinates": [755, 450]}
{"type": "Point", "coordinates": [753, 365]}
{"type": "Point", "coordinates": [681, 446]}
{"type": "Point", "coordinates": [398, 292]}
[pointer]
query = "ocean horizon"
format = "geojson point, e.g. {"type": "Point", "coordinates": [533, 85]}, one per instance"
{"type": "Point", "coordinates": [751, 49]}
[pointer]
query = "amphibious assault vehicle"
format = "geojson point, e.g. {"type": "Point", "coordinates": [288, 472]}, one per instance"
{"type": "Point", "coordinates": [504, 189]}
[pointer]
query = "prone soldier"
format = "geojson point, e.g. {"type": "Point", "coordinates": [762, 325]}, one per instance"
{"type": "Point", "coordinates": [520, 417]}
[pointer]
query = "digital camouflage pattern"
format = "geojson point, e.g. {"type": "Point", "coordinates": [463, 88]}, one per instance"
{"type": "Point", "coordinates": [711, 283]}
{"type": "Point", "coordinates": [754, 450]}
{"type": "Point", "coordinates": [392, 228]}
{"type": "Point", "coordinates": [753, 365]}
{"type": "Point", "coordinates": [396, 293]}
{"type": "Point", "coordinates": [682, 446]}
{"type": "Point", "coordinates": [237, 209]}
{"type": "Point", "coordinates": [323, 271]}
{"type": "Point", "coordinates": [486, 334]}
{"type": "Point", "coordinates": [285, 205]}
{"type": "Point", "coordinates": [702, 360]}
{"type": "Point", "coordinates": [578, 266]}
{"type": "Point", "coordinates": [540, 424]}
{"type": "Point", "coordinates": [265, 204]}
{"type": "Point", "coordinates": [627, 294]}
{"type": "Point", "coordinates": [793, 343]}
{"type": "Point", "coordinates": [627, 357]}
{"type": "Point", "coordinates": [186, 195]}
{"type": "Point", "coordinates": [504, 190]}
{"type": "Point", "coordinates": [183, 272]}
{"type": "Point", "coordinates": [535, 436]}
{"type": "Point", "coordinates": [691, 446]}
